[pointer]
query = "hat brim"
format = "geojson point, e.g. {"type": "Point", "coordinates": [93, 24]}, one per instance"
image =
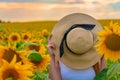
{"type": "Point", "coordinates": [82, 61]}
{"type": "Point", "coordinates": [85, 60]}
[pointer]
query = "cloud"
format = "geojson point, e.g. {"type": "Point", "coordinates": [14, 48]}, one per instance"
{"type": "Point", "coordinates": [46, 11]}
{"type": "Point", "coordinates": [64, 1]}
{"type": "Point", "coordinates": [115, 6]}
{"type": "Point", "coordinates": [91, 1]}
{"type": "Point", "coordinates": [47, 1]}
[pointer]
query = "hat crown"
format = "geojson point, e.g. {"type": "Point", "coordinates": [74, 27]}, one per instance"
{"type": "Point", "coordinates": [79, 40]}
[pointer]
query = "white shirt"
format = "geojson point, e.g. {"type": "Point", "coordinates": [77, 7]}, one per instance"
{"type": "Point", "coordinates": [76, 74]}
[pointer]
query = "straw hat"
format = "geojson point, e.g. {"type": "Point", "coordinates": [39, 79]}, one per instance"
{"type": "Point", "coordinates": [74, 37]}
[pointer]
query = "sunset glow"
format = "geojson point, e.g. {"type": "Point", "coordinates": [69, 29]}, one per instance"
{"type": "Point", "coordinates": [29, 10]}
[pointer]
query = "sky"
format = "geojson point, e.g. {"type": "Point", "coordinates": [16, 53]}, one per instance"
{"type": "Point", "coordinates": [33, 10]}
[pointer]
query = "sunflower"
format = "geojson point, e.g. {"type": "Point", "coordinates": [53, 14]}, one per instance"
{"type": "Point", "coordinates": [45, 32]}
{"type": "Point", "coordinates": [38, 33]}
{"type": "Point", "coordinates": [35, 46]}
{"type": "Point", "coordinates": [5, 39]}
{"type": "Point", "coordinates": [38, 41]}
{"type": "Point", "coordinates": [109, 42]}
{"type": "Point", "coordinates": [15, 71]}
{"type": "Point", "coordinates": [7, 54]}
{"type": "Point", "coordinates": [42, 49]}
{"type": "Point", "coordinates": [26, 36]}
{"type": "Point", "coordinates": [41, 65]}
{"type": "Point", "coordinates": [23, 31]}
{"type": "Point", "coordinates": [14, 37]}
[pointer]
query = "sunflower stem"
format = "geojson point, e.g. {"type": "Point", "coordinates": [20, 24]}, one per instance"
{"type": "Point", "coordinates": [14, 46]}
{"type": "Point", "coordinates": [116, 76]}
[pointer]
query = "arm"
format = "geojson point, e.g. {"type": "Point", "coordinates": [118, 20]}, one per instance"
{"type": "Point", "coordinates": [54, 69]}
{"type": "Point", "coordinates": [103, 63]}
{"type": "Point", "coordinates": [99, 66]}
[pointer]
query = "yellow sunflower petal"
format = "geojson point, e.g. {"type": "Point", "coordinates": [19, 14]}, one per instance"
{"type": "Point", "coordinates": [13, 61]}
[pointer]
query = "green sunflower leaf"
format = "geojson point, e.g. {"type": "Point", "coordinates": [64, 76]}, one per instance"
{"type": "Point", "coordinates": [34, 51]}
{"type": "Point", "coordinates": [113, 70]}
{"type": "Point", "coordinates": [30, 43]}
{"type": "Point", "coordinates": [35, 57]}
{"type": "Point", "coordinates": [101, 75]}
{"type": "Point", "coordinates": [10, 78]}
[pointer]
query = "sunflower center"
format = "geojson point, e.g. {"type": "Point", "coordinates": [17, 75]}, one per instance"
{"type": "Point", "coordinates": [9, 54]}
{"type": "Point", "coordinates": [113, 42]}
{"type": "Point", "coordinates": [26, 37]}
{"type": "Point", "coordinates": [14, 38]}
{"type": "Point", "coordinates": [34, 47]}
{"type": "Point", "coordinates": [6, 39]}
{"type": "Point", "coordinates": [10, 73]}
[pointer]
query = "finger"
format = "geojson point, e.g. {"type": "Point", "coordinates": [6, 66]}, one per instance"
{"type": "Point", "coordinates": [50, 50]}
{"type": "Point", "coordinates": [52, 56]}
{"type": "Point", "coordinates": [51, 45]}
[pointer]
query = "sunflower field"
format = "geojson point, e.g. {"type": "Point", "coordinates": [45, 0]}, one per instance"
{"type": "Point", "coordinates": [24, 55]}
